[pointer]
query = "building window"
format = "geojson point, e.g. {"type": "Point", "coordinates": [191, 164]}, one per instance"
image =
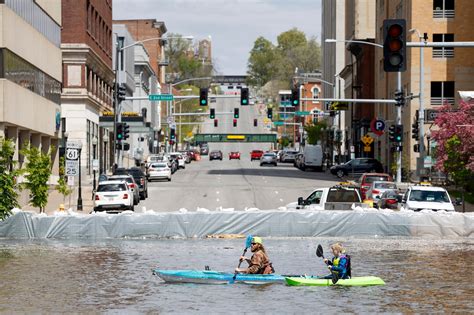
{"type": "Point", "coordinates": [442, 92]}
{"type": "Point", "coordinates": [316, 92]}
{"type": "Point", "coordinates": [21, 72]}
{"type": "Point", "coordinates": [121, 43]}
{"type": "Point", "coordinates": [443, 52]}
{"type": "Point", "coordinates": [443, 9]}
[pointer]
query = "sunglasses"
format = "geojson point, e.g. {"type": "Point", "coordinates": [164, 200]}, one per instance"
{"type": "Point", "coordinates": [253, 243]}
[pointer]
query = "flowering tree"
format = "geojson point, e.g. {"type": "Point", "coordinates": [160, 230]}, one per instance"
{"type": "Point", "coordinates": [455, 143]}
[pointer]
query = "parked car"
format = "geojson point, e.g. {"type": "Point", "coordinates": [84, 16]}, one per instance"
{"type": "Point", "coordinates": [173, 165]}
{"type": "Point", "coordinates": [256, 155]}
{"type": "Point", "coordinates": [113, 195]}
{"type": "Point", "coordinates": [268, 158]}
{"type": "Point", "coordinates": [377, 188]}
{"type": "Point", "coordinates": [140, 178]}
{"type": "Point", "coordinates": [120, 171]}
{"type": "Point", "coordinates": [389, 199]}
{"type": "Point", "coordinates": [298, 162]}
{"type": "Point", "coordinates": [234, 155]}
{"type": "Point", "coordinates": [331, 198]}
{"type": "Point", "coordinates": [179, 158]}
{"type": "Point", "coordinates": [357, 166]}
{"type": "Point", "coordinates": [102, 178]}
{"type": "Point", "coordinates": [186, 156]}
{"type": "Point", "coordinates": [368, 178]}
{"type": "Point", "coordinates": [131, 184]}
{"type": "Point", "coordinates": [418, 198]}
{"type": "Point", "coordinates": [159, 170]}
{"type": "Point", "coordinates": [288, 156]}
{"type": "Point", "coordinates": [204, 149]}
{"type": "Point", "coordinates": [215, 155]}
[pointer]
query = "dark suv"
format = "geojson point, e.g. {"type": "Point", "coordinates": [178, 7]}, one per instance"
{"type": "Point", "coordinates": [139, 177]}
{"type": "Point", "coordinates": [357, 166]}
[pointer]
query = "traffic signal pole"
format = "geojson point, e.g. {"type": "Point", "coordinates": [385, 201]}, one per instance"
{"type": "Point", "coordinates": [399, 122]}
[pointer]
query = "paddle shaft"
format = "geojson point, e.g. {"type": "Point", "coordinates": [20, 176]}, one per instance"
{"type": "Point", "coordinates": [240, 263]}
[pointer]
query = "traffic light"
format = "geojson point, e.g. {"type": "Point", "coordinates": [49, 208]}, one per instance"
{"type": "Point", "coordinates": [416, 148]}
{"type": "Point", "coordinates": [399, 133]}
{"type": "Point", "coordinates": [172, 134]}
{"type": "Point", "coordinates": [236, 113]}
{"type": "Point", "coordinates": [399, 98]}
{"type": "Point", "coordinates": [269, 113]}
{"type": "Point", "coordinates": [394, 45]}
{"type": "Point", "coordinates": [215, 122]}
{"type": "Point", "coordinates": [119, 131]}
{"type": "Point", "coordinates": [126, 131]}
{"type": "Point", "coordinates": [203, 96]}
{"type": "Point", "coordinates": [235, 122]}
{"type": "Point", "coordinates": [295, 97]}
{"type": "Point", "coordinates": [391, 132]}
{"type": "Point", "coordinates": [122, 90]}
{"type": "Point", "coordinates": [415, 131]}
{"type": "Point", "coordinates": [244, 96]}
{"type": "Point", "coordinates": [255, 122]}
{"type": "Point", "coordinates": [171, 142]}
{"type": "Point", "coordinates": [212, 113]}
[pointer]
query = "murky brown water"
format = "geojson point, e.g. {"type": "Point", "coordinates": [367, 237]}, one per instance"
{"type": "Point", "coordinates": [114, 276]}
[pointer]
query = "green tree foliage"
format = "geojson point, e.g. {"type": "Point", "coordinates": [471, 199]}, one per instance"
{"type": "Point", "coordinates": [183, 64]}
{"type": "Point", "coordinates": [315, 132]}
{"type": "Point", "coordinates": [62, 186]}
{"type": "Point", "coordinates": [294, 50]}
{"type": "Point", "coordinates": [37, 173]}
{"type": "Point", "coordinates": [8, 192]}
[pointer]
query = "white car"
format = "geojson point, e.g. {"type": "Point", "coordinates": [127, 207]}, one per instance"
{"type": "Point", "coordinates": [158, 171]}
{"type": "Point", "coordinates": [113, 195]}
{"type": "Point", "coordinates": [418, 198]}
{"type": "Point", "coordinates": [377, 189]}
{"type": "Point", "coordinates": [181, 161]}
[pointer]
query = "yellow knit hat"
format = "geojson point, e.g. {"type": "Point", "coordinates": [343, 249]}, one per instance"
{"type": "Point", "coordinates": [257, 240]}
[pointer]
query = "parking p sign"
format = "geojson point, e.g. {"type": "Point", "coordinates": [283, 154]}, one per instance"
{"type": "Point", "coordinates": [377, 126]}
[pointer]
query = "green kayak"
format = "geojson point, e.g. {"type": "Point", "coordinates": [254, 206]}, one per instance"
{"type": "Point", "coordinates": [355, 281]}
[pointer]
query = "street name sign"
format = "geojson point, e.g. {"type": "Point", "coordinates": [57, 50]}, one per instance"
{"type": "Point", "coordinates": [160, 97]}
{"type": "Point", "coordinates": [302, 113]}
{"type": "Point", "coordinates": [278, 123]}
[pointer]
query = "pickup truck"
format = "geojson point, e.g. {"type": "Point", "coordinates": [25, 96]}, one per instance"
{"type": "Point", "coordinates": [332, 198]}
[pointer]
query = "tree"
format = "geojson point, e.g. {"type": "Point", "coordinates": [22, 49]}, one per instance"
{"type": "Point", "coordinates": [261, 62]}
{"type": "Point", "coordinates": [455, 143]}
{"type": "Point", "coordinates": [8, 175]}
{"type": "Point", "coordinates": [38, 172]}
{"type": "Point", "coordinates": [62, 186]}
{"type": "Point", "coordinates": [315, 132]}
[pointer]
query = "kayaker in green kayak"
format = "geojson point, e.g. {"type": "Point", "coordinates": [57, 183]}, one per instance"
{"type": "Point", "coordinates": [259, 263]}
{"type": "Point", "coordinates": [339, 264]}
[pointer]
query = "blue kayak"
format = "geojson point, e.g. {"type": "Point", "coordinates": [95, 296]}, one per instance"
{"type": "Point", "coordinates": [215, 277]}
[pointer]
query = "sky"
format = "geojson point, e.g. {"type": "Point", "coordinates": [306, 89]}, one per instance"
{"type": "Point", "coordinates": [232, 24]}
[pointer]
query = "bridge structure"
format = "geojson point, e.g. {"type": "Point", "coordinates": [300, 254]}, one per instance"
{"type": "Point", "coordinates": [235, 137]}
{"type": "Point", "coordinates": [230, 79]}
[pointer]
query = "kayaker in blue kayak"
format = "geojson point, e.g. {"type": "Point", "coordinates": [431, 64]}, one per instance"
{"type": "Point", "coordinates": [339, 264]}
{"type": "Point", "coordinates": [259, 263]}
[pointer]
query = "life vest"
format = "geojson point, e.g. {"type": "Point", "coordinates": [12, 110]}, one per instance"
{"type": "Point", "coordinates": [346, 268]}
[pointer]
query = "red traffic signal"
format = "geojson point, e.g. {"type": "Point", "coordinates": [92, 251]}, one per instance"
{"type": "Point", "coordinates": [255, 122]}
{"type": "Point", "coordinates": [394, 46]}
{"type": "Point", "coordinates": [215, 122]}
{"type": "Point", "coordinates": [235, 122]}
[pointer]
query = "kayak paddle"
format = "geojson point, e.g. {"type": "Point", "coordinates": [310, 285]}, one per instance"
{"type": "Point", "coordinates": [248, 243]}
{"type": "Point", "coordinates": [320, 253]}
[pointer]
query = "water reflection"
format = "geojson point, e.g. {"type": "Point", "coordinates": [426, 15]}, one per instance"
{"type": "Point", "coordinates": [115, 276]}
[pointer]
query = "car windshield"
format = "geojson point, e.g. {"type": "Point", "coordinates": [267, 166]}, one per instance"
{"type": "Point", "coordinates": [269, 154]}
{"type": "Point", "coordinates": [386, 185]}
{"type": "Point", "coordinates": [429, 196]}
{"type": "Point", "coordinates": [373, 178]}
{"type": "Point", "coordinates": [342, 195]}
{"type": "Point", "coordinates": [111, 187]}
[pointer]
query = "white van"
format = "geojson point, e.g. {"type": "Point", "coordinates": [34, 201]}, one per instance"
{"type": "Point", "coordinates": [312, 157]}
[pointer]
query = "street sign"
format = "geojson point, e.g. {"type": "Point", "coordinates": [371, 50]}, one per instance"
{"type": "Point", "coordinates": [72, 154]}
{"type": "Point", "coordinates": [427, 162]}
{"type": "Point", "coordinates": [377, 126]}
{"type": "Point", "coordinates": [339, 106]}
{"type": "Point", "coordinates": [278, 123]}
{"type": "Point", "coordinates": [74, 144]}
{"type": "Point", "coordinates": [367, 140]}
{"type": "Point", "coordinates": [72, 168]}
{"type": "Point", "coordinates": [367, 148]}
{"type": "Point", "coordinates": [95, 165]}
{"type": "Point", "coordinates": [302, 113]}
{"type": "Point", "coordinates": [70, 180]}
{"type": "Point", "coordinates": [160, 97]}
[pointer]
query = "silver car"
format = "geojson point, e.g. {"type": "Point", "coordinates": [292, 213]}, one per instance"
{"type": "Point", "coordinates": [268, 158]}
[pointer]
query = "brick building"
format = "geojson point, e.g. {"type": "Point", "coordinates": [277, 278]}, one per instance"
{"type": "Point", "coordinates": [88, 79]}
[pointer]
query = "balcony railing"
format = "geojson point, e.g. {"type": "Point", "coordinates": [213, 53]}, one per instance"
{"type": "Point", "coordinates": [437, 101]}
{"type": "Point", "coordinates": [443, 14]}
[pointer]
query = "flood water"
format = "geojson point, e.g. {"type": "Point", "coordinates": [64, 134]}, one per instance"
{"type": "Point", "coordinates": [114, 276]}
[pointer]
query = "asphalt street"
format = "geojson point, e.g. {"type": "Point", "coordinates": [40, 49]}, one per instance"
{"type": "Point", "coordinates": [235, 184]}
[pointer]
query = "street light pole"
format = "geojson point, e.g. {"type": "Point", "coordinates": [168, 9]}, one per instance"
{"type": "Point", "coordinates": [79, 192]}
{"type": "Point", "coordinates": [94, 148]}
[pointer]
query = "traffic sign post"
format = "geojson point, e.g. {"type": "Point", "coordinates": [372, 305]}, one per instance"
{"type": "Point", "coordinates": [73, 166]}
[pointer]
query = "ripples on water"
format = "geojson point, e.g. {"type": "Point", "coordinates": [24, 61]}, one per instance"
{"type": "Point", "coordinates": [114, 276]}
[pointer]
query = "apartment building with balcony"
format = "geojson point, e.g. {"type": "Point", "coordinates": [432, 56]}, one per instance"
{"type": "Point", "coordinates": [31, 75]}
{"type": "Point", "coordinates": [447, 71]}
